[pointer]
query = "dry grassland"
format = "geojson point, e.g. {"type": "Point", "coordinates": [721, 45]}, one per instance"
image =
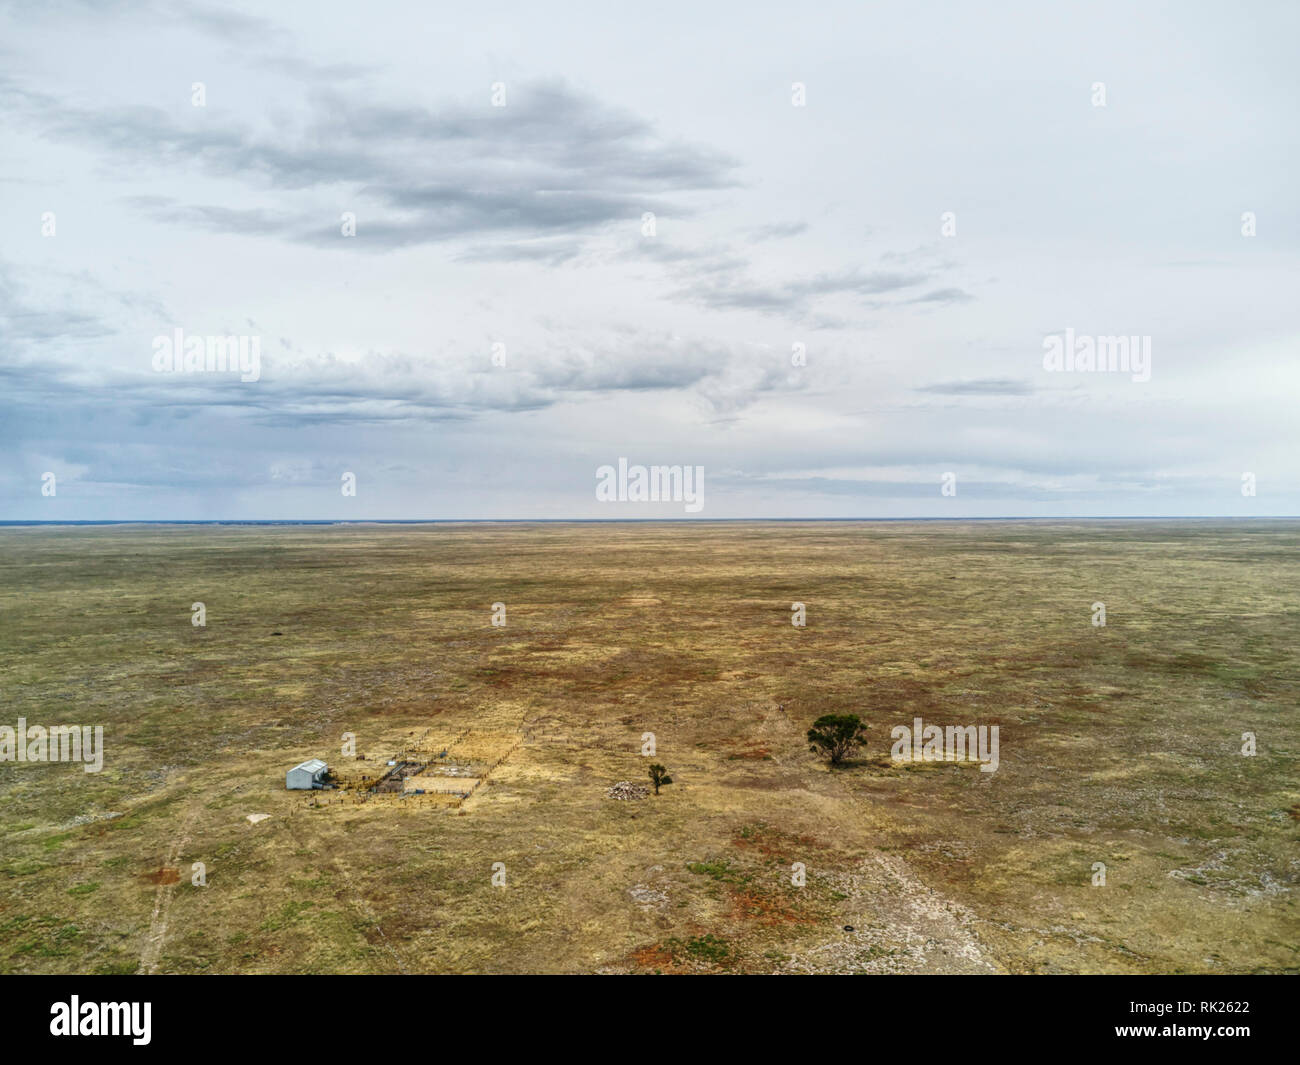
{"type": "Point", "coordinates": [1119, 745]}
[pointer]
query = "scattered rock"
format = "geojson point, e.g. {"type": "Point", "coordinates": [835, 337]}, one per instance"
{"type": "Point", "coordinates": [625, 790]}
{"type": "Point", "coordinates": [648, 898]}
{"type": "Point", "coordinates": [254, 818]}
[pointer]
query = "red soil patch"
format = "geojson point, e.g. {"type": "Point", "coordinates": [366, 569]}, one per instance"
{"type": "Point", "coordinates": [162, 876]}
{"type": "Point", "coordinates": [653, 958]}
{"type": "Point", "coordinates": [752, 753]}
{"type": "Point", "coordinates": [775, 844]}
{"type": "Point", "coordinates": [765, 909]}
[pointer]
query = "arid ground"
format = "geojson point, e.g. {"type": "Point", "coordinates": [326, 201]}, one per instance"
{"type": "Point", "coordinates": [1119, 745]}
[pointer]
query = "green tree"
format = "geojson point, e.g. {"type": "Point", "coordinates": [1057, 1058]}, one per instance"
{"type": "Point", "coordinates": [659, 775]}
{"type": "Point", "coordinates": [836, 736]}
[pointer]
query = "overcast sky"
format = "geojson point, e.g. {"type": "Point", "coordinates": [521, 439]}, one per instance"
{"type": "Point", "coordinates": [775, 225]}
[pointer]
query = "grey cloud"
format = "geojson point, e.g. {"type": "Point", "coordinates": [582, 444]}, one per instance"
{"type": "Point", "coordinates": [553, 159]}
{"type": "Point", "coordinates": [944, 295]}
{"type": "Point", "coordinates": [248, 39]}
{"type": "Point", "coordinates": [605, 373]}
{"type": "Point", "coordinates": [797, 295]}
{"type": "Point", "coordinates": [383, 388]}
{"type": "Point", "coordinates": [778, 230]}
{"type": "Point", "coordinates": [24, 323]}
{"type": "Point", "coordinates": [214, 219]}
{"type": "Point", "coordinates": [549, 251]}
{"type": "Point", "coordinates": [986, 386]}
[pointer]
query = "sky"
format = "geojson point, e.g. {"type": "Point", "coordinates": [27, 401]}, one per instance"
{"type": "Point", "coordinates": [483, 250]}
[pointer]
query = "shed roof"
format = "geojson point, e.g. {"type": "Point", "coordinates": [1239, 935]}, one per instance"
{"type": "Point", "coordinates": [312, 765]}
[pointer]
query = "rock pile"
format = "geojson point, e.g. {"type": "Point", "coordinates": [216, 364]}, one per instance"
{"type": "Point", "coordinates": [625, 789]}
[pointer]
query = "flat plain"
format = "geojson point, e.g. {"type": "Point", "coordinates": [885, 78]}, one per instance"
{"type": "Point", "coordinates": [1119, 745]}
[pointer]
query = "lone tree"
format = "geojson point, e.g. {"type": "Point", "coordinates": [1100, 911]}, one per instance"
{"type": "Point", "coordinates": [659, 775]}
{"type": "Point", "coordinates": [836, 735]}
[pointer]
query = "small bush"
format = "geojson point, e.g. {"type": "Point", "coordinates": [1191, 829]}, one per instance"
{"type": "Point", "coordinates": [836, 736]}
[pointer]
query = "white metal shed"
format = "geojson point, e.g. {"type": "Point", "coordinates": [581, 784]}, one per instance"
{"type": "Point", "coordinates": [309, 774]}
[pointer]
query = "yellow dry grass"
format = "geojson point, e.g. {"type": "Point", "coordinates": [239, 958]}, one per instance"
{"type": "Point", "coordinates": [1119, 745]}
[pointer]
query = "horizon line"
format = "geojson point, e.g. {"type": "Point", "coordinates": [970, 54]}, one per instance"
{"type": "Point", "coordinates": [631, 521]}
